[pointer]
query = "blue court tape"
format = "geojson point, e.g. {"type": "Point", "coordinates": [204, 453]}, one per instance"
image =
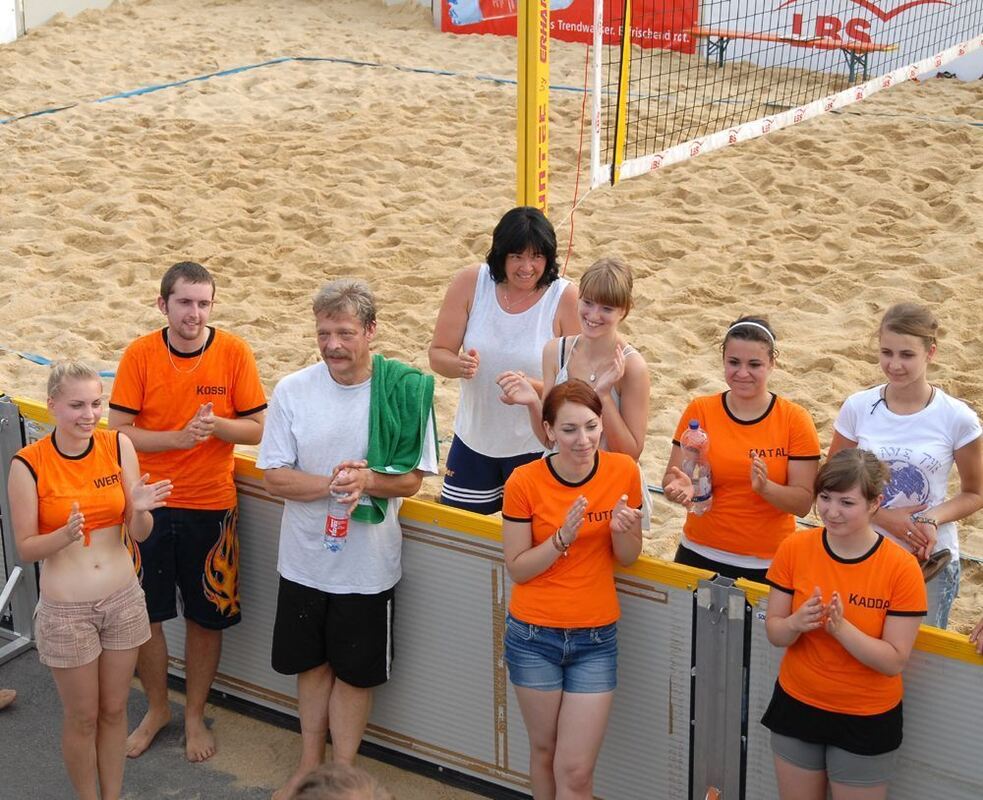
{"type": "Point", "coordinates": [44, 361]}
{"type": "Point", "coordinates": [272, 62]}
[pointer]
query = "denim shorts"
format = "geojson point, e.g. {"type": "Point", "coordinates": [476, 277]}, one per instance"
{"type": "Point", "coordinates": [942, 591]}
{"type": "Point", "coordinates": [580, 660]}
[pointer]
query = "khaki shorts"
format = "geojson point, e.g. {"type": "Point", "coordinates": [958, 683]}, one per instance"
{"type": "Point", "coordinates": [73, 634]}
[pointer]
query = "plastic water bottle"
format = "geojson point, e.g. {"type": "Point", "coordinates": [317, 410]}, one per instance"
{"type": "Point", "coordinates": [470, 12]}
{"type": "Point", "coordinates": [695, 444]}
{"type": "Point", "coordinates": [336, 523]}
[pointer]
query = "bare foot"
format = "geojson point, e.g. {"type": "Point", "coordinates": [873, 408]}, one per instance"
{"type": "Point", "coordinates": [145, 733]}
{"type": "Point", "coordinates": [199, 741]}
{"type": "Point", "coordinates": [7, 697]}
{"type": "Point", "coordinates": [289, 789]}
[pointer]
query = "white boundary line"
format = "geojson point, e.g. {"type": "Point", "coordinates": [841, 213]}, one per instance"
{"type": "Point", "coordinates": [759, 127]}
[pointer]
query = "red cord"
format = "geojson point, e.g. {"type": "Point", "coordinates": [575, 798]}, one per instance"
{"type": "Point", "coordinates": [580, 156]}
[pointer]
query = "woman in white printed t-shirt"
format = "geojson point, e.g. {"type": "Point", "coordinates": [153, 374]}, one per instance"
{"type": "Point", "coordinates": [919, 431]}
{"type": "Point", "coordinates": [495, 318]}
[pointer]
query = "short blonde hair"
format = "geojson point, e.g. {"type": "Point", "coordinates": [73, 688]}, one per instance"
{"type": "Point", "coordinates": [609, 282]}
{"type": "Point", "coordinates": [69, 370]}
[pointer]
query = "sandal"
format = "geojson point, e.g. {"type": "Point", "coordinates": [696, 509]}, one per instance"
{"type": "Point", "coordinates": [935, 563]}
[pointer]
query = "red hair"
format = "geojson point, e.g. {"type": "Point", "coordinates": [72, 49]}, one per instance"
{"type": "Point", "coordinates": [571, 391]}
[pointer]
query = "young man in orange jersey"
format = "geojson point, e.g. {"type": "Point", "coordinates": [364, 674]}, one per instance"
{"type": "Point", "coordinates": [186, 395]}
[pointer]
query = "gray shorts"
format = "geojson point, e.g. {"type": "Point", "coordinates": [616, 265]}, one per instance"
{"type": "Point", "coordinates": [840, 766]}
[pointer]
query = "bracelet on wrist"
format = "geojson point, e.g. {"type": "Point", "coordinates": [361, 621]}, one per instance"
{"type": "Point", "coordinates": [927, 520]}
{"type": "Point", "coordinates": [559, 544]}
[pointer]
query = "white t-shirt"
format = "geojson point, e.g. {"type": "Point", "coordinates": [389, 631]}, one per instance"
{"type": "Point", "coordinates": [919, 448]}
{"type": "Point", "coordinates": [504, 342]}
{"type": "Point", "coordinates": [312, 425]}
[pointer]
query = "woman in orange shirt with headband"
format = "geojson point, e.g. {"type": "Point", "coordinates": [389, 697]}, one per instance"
{"type": "Point", "coordinates": [70, 495]}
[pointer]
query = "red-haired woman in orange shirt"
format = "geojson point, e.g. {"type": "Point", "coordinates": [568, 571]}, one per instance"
{"type": "Point", "coordinates": [568, 519]}
{"type": "Point", "coordinates": [847, 605]}
{"type": "Point", "coordinates": [70, 495]}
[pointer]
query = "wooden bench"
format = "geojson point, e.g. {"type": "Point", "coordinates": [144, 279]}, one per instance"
{"type": "Point", "coordinates": [855, 53]}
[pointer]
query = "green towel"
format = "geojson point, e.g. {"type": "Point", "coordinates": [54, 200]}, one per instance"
{"type": "Point", "coordinates": [400, 405]}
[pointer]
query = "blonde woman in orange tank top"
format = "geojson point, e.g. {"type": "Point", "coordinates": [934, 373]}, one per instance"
{"type": "Point", "coordinates": [70, 494]}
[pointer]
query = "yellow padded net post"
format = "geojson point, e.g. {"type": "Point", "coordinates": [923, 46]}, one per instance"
{"type": "Point", "coordinates": [532, 134]}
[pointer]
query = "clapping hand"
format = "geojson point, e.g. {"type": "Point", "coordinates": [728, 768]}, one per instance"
{"type": "Point", "coordinates": [613, 371]}
{"type": "Point", "coordinates": [624, 518]}
{"type": "Point", "coordinates": [679, 487]}
{"type": "Point", "coordinates": [811, 615]}
{"type": "Point", "coordinates": [148, 496]}
{"type": "Point", "coordinates": [834, 614]}
{"type": "Point", "coordinates": [467, 362]}
{"type": "Point", "coordinates": [516, 389]}
{"type": "Point", "coordinates": [75, 526]}
{"type": "Point", "coordinates": [570, 528]}
{"type": "Point", "coordinates": [759, 474]}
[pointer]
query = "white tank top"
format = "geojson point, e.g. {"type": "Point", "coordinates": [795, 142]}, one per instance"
{"type": "Point", "coordinates": [504, 342]}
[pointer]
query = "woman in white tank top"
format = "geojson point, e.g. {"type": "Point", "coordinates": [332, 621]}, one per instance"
{"type": "Point", "coordinates": [496, 317]}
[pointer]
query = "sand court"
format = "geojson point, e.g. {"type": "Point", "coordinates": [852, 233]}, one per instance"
{"type": "Point", "coordinates": [281, 177]}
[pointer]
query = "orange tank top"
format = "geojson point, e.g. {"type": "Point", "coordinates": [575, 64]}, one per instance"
{"type": "Point", "coordinates": [93, 479]}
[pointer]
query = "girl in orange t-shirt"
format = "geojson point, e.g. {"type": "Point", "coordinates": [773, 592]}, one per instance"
{"type": "Point", "coordinates": [70, 495]}
{"type": "Point", "coordinates": [846, 603]}
{"type": "Point", "coordinates": [567, 519]}
{"type": "Point", "coordinates": [764, 453]}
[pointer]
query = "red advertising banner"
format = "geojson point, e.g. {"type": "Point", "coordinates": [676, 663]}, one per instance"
{"type": "Point", "coordinates": [655, 23]}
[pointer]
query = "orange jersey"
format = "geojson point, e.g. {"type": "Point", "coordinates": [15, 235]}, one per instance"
{"type": "Point", "coordinates": [816, 669]}
{"type": "Point", "coordinates": [576, 591]}
{"type": "Point", "coordinates": [164, 389]}
{"type": "Point", "coordinates": [740, 520]}
{"type": "Point", "coordinates": [93, 479]}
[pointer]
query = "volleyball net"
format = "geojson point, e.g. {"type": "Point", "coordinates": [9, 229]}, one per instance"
{"type": "Point", "coordinates": [675, 78]}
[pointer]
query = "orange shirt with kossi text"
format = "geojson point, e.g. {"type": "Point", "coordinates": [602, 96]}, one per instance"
{"type": "Point", "coordinates": [577, 591]}
{"type": "Point", "coordinates": [164, 389]}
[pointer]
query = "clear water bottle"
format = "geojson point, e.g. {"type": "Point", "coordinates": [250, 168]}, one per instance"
{"type": "Point", "coordinates": [336, 523]}
{"type": "Point", "coordinates": [695, 444]}
{"type": "Point", "coordinates": [469, 12]}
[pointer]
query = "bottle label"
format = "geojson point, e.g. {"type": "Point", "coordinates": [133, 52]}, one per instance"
{"type": "Point", "coordinates": [336, 527]}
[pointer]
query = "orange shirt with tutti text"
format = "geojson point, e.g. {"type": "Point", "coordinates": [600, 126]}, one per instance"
{"type": "Point", "coordinates": [164, 390]}
{"type": "Point", "coordinates": [740, 520]}
{"type": "Point", "coordinates": [93, 479]}
{"type": "Point", "coordinates": [577, 591]}
{"type": "Point", "coordinates": [816, 669]}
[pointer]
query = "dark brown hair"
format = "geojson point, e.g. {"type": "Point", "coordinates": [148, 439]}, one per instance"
{"type": "Point", "coordinates": [189, 271]}
{"type": "Point", "coordinates": [749, 329]}
{"type": "Point", "coordinates": [571, 391]}
{"type": "Point", "coordinates": [854, 467]}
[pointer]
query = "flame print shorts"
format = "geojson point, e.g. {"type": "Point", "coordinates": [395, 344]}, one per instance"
{"type": "Point", "coordinates": [193, 552]}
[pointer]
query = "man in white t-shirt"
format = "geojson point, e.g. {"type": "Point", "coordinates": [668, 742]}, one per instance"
{"type": "Point", "coordinates": [330, 429]}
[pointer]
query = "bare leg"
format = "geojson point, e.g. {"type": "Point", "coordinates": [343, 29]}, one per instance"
{"type": "Point", "coordinates": [795, 783]}
{"type": "Point", "coordinates": [541, 712]}
{"type": "Point", "coordinates": [79, 692]}
{"type": "Point", "coordinates": [202, 651]}
{"type": "Point", "coordinates": [152, 669]}
{"type": "Point", "coordinates": [580, 732]}
{"type": "Point", "coordinates": [314, 689]}
{"type": "Point", "coordinates": [348, 714]}
{"type": "Point", "coordinates": [115, 673]}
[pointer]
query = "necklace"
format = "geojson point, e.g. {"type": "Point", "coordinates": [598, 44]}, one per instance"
{"type": "Point", "coordinates": [170, 356]}
{"type": "Point", "coordinates": [509, 303]}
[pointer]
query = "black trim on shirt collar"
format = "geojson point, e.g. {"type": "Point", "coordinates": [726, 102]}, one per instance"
{"type": "Point", "coordinates": [771, 405]}
{"type": "Point", "coordinates": [591, 474]}
{"type": "Point", "coordinates": [856, 560]}
{"type": "Point", "coordinates": [193, 353]}
{"type": "Point", "coordinates": [80, 456]}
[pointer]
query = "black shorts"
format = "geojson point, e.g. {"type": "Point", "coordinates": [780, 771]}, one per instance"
{"type": "Point", "coordinates": [197, 552]}
{"type": "Point", "coordinates": [352, 633]}
{"type": "Point", "coordinates": [693, 559]}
